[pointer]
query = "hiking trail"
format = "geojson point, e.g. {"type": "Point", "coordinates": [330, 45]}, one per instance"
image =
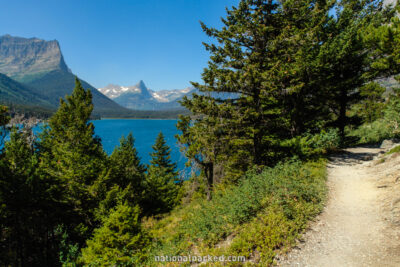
{"type": "Point", "coordinates": [360, 223]}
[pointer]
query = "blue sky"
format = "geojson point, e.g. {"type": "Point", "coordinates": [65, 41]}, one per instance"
{"type": "Point", "coordinates": [122, 41]}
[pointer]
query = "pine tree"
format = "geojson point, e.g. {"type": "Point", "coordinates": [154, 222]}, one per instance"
{"type": "Point", "coordinates": [370, 108]}
{"type": "Point", "coordinates": [124, 180]}
{"type": "Point", "coordinates": [236, 116]}
{"type": "Point", "coordinates": [382, 38]}
{"type": "Point", "coordinates": [125, 174]}
{"type": "Point", "coordinates": [347, 60]}
{"type": "Point", "coordinates": [161, 188]}
{"type": "Point", "coordinates": [160, 157]}
{"type": "Point", "coordinates": [125, 177]}
{"type": "Point", "coordinates": [259, 87]}
{"type": "Point", "coordinates": [71, 155]}
{"type": "Point", "coordinates": [119, 241]}
{"type": "Point", "coordinates": [125, 165]}
{"type": "Point", "coordinates": [28, 213]}
{"type": "Point", "coordinates": [277, 71]}
{"type": "Point", "coordinates": [200, 145]}
{"type": "Point", "coordinates": [392, 110]}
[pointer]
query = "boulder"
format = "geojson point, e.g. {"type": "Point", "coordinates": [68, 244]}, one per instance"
{"type": "Point", "coordinates": [389, 143]}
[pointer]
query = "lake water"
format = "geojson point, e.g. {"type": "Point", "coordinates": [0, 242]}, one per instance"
{"type": "Point", "coordinates": [145, 133]}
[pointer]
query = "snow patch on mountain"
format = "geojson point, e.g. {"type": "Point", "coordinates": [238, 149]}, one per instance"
{"type": "Point", "coordinates": [162, 96]}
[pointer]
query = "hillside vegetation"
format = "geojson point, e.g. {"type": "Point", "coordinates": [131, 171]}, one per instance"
{"type": "Point", "coordinates": [263, 213]}
{"type": "Point", "coordinates": [302, 80]}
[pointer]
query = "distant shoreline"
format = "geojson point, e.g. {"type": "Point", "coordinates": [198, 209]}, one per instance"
{"type": "Point", "coordinates": [137, 119]}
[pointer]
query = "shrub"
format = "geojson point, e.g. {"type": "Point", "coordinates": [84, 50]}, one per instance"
{"type": "Point", "coordinates": [120, 241]}
{"type": "Point", "coordinates": [264, 212]}
{"type": "Point", "coordinates": [310, 145]}
{"type": "Point", "coordinates": [396, 149]}
{"type": "Point", "coordinates": [386, 127]}
{"type": "Point", "coordinates": [373, 132]}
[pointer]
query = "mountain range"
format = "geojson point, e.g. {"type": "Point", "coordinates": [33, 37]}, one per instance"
{"type": "Point", "coordinates": [33, 72]}
{"type": "Point", "coordinates": [34, 76]}
{"type": "Point", "coordinates": [139, 97]}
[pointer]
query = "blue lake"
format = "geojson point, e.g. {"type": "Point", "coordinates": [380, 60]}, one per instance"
{"type": "Point", "coordinates": [145, 133]}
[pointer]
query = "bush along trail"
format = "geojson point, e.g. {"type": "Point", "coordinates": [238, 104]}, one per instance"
{"type": "Point", "coordinates": [359, 226]}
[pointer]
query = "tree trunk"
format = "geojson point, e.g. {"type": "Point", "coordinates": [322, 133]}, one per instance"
{"type": "Point", "coordinates": [342, 120]}
{"type": "Point", "coordinates": [209, 172]}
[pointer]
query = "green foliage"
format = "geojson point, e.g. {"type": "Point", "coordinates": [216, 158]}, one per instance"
{"type": "Point", "coordinates": [383, 39]}
{"type": "Point", "coordinates": [27, 212]}
{"type": "Point", "coordinates": [372, 105]}
{"type": "Point", "coordinates": [385, 127]}
{"type": "Point", "coordinates": [393, 150]}
{"type": "Point", "coordinates": [161, 183]}
{"type": "Point", "coordinates": [160, 157]}
{"type": "Point", "coordinates": [280, 81]}
{"type": "Point", "coordinates": [373, 132]}
{"type": "Point", "coordinates": [73, 158]}
{"type": "Point", "coordinates": [285, 196]}
{"type": "Point", "coordinates": [296, 74]}
{"type": "Point", "coordinates": [125, 167]}
{"type": "Point", "coordinates": [265, 234]}
{"type": "Point", "coordinates": [124, 180]}
{"type": "Point", "coordinates": [13, 92]}
{"type": "Point", "coordinates": [309, 145]}
{"type": "Point", "coordinates": [69, 253]}
{"type": "Point", "coordinates": [161, 193]}
{"type": "Point", "coordinates": [119, 241]}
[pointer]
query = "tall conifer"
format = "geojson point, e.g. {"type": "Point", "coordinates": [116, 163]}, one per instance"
{"type": "Point", "coordinates": [73, 156]}
{"type": "Point", "coordinates": [161, 188]}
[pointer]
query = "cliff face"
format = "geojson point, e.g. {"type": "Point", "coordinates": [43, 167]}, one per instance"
{"type": "Point", "coordinates": [26, 59]}
{"type": "Point", "coordinates": [39, 67]}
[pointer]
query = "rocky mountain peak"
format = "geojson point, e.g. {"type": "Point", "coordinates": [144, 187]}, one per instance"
{"type": "Point", "coordinates": [141, 85]}
{"type": "Point", "coordinates": [140, 97]}
{"type": "Point", "coordinates": [27, 58]}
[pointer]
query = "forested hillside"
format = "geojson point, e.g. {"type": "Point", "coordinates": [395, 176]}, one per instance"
{"type": "Point", "coordinates": [302, 79]}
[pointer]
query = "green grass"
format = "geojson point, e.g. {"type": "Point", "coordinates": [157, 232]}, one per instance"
{"type": "Point", "coordinates": [393, 150]}
{"type": "Point", "coordinates": [264, 214]}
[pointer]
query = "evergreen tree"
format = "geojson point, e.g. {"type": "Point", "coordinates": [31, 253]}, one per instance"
{"type": "Point", "coordinates": [201, 147]}
{"type": "Point", "coordinates": [120, 240]}
{"type": "Point", "coordinates": [346, 59]}
{"type": "Point", "coordinates": [28, 213]}
{"type": "Point", "coordinates": [392, 110]}
{"type": "Point", "coordinates": [258, 88]}
{"type": "Point", "coordinates": [125, 165]}
{"type": "Point", "coordinates": [71, 155]}
{"type": "Point", "coordinates": [371, 107]}
{"type": "Point", "coordinates": [277, 71]}
{"type": "Point", "coordinates": [382, 38]}
{"type": "Point", "coordinates": [160, 157]}
{"type": "Point", "coordinates": [125, 177]}
{"type": "Point", "coordinates": [161, 188]}
{"type": "Point", "coordinates": [236, 115]}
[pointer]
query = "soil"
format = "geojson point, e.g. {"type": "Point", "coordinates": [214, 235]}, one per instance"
{"type": "Point", "coordinates": [360, 225]}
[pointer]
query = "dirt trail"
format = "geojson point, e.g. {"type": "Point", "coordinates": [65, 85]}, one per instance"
{"type": "Point", "coordinates": [354, 229]}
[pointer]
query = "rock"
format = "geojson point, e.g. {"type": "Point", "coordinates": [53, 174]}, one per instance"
{"type": "Point", "coordinates": [366, 158]}
{"type": "Point", "coordinates": [36, 68]}
{"type": "Point", "coordinates": [22, 57]}
{"type": "Point", "coordinates": [389, 143]}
